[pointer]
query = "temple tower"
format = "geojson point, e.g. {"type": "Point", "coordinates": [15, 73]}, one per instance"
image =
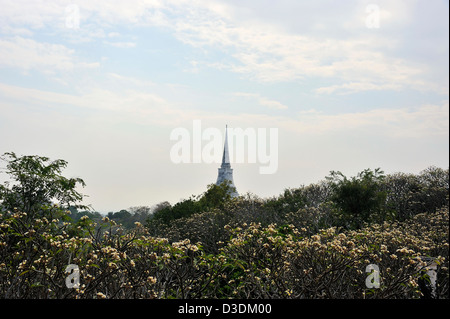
{"type": "Point", "coordinates": [225, 170]}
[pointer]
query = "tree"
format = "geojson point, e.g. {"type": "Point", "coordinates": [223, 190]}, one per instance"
{"type": "Point", "coordinates": [213, 198]}
{"type": "Point", "coordinates": [36, 182]}
{"type": "Point", "coordinates": [435, 188]}
{"type": "Point", "coordinates": [216, 196]}
{"type": "Point", "coordinates": [76, 215]}
{"type": "Point", "coordinates": [160, 206]}
{"type": "Point", "coordinates": [184, 208]}
{"type": "Point", "coordinates": [290, 201]}
{"type": "Point", "coordinates": [359, 199]}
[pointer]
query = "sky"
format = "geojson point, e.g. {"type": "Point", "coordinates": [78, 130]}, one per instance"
{"type": "Point", "coordinates": [347, 85]}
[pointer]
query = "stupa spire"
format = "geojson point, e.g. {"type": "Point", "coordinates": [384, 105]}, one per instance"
{"type": "Point", "coordinates": [225, 170]}
{"type": "Point", "coordinates": [226, 155]}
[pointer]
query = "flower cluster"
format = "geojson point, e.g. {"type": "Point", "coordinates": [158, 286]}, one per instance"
{"type": "Point", "coordinates": [251, 260]}
{"type": "Point", "coordinates": [267, 263]}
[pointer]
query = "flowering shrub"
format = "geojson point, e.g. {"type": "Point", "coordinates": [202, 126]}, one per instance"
{"type": "Point", "coordinates": [112, 264]}
{"type": "Point", "coordinates": [276, 264]}
{"type": "Point", "coordinates": [294, 246]}
{"type": "Point", "coordinates": [256, 262]}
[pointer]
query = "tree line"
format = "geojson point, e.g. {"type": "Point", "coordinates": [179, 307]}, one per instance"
{"type": "Point", "coordinates": [312, 241]}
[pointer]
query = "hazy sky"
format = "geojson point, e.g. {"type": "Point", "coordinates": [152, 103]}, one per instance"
{"type": "Point", "coordinates": [102, 84]}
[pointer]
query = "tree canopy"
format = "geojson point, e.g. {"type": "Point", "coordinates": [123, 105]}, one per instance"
{"type": "Point", "coordinates": [359, 199]}
{"type": "Point", "coordinates": [36, 181]}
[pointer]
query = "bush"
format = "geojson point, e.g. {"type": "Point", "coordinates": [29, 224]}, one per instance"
{"type": "Point", "coordinates": [409, 194]}
{"type": "Point", "coordinates": [256, 262]}
{"type": "Point", "coordinates": [267, 263]}
{"type": "Point", "coordinates": [302, 244]}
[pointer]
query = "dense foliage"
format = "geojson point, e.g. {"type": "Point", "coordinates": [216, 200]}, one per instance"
{"type": "Point", "coordinates": [314, 241]}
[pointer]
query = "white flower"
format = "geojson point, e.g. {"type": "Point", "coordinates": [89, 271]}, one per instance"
{"type": "Point", "coordinates": [22, 264]}
{"type": "Point", "coordinates": [101, 295]}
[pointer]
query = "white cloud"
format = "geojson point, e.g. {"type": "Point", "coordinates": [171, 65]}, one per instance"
{"type": "Point", "coordinates": [123, 45]}
{"type": "Point", "coordinates": [352, 87]}
{"type": "Point", "coordinates": [113, 34]}
{"type": "Point", "coordinates": [129, 105]}
{"type": "Point", "coordinates": [272, 104]}
{"type": "Point", "coordinates": [136, 105]}
{"type": "Point", "coordinates": [28, 54]}
{"type": "Point", "coordinates": [15, 31]}
{"type": "Point", "coordinates": [127, 80]}
{"type": "Point", "coordinates": [338, 46]}
{"type": "Point", "coordinates": [268, 53]}
{"type": "Point", "coordinates": [415, 122]}
{"type": "Point", "coordinates": [33, 14]}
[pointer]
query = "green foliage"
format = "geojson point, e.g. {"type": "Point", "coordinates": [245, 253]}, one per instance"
{"type": "Point", "coordinates": [122, 214]}
{"type": "Point", "coordinates": [75, 215]}
{"type": "Point", "coordinates": [310, 242]}
{"type": "Point", "coordinates": [215, 197]}
{"type": "Point", "coordinates": [359, 199]}
{"type": "Point", "coordinates": [256, 261]}
{"type": "Point", "coordinates": [36, 181]}
{"type": "Point", "coordinates": [181, 209]}
{"type": "Point", "coordinates": [290, 201]}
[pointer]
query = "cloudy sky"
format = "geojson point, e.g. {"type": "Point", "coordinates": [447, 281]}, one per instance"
{"type": "Point", "coordinates": [102, 84]}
